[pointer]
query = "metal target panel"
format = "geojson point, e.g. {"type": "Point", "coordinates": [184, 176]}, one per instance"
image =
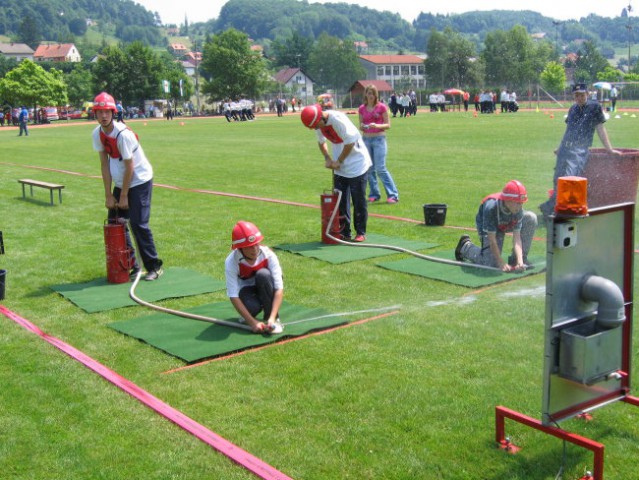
{"type": "Point", "coordinates": [586, 366]}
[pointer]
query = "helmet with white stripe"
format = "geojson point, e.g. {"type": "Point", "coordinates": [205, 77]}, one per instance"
{"type": "Point", "coordinates": [245, 234]}
{"type": "Point", "coordinates": [311, 115]}
{"type": "Point", "coordinates": [514, 191]}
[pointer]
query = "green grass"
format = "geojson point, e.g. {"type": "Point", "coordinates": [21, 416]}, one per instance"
{"type": "Point", "coordinates": [404, 397]}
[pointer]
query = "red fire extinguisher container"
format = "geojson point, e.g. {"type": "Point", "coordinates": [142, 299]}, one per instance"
{"type": "Point", "coordinates": [118, 255]}
{"type": "Point", "coordinates": [328, 204]}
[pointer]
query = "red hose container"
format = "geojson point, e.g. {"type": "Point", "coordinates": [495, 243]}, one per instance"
{"type": "Point", "coordinates": [328, 205]}
{"type": "Point", "coordinates": [118, 255]}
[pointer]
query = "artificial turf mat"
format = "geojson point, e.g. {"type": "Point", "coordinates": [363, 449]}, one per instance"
{"type": "Point", "coordinates": [193, 340]}
{"type": "Point", "coordinates": [464, 276]}
{"type": "Point", "coordinates": [337, 253]}
{"type": "Point", "coordinates": [99, 295]}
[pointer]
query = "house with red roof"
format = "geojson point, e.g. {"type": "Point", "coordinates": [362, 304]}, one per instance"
{"type": "Point", "coordinates": [59, 52]}
{"type": "Point", "coordinates": [400, 71]}
{"type": "Point", "coordinates": [300, 84]}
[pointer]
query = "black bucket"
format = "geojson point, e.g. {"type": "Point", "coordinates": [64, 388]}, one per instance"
{"type": "Point", "coordinates": [435, 214]}
{"type": "Point", "coordinates": [3, 277]}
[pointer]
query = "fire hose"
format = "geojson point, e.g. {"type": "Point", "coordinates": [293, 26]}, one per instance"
{"type": "Point", "coordinates": [392, 247]}
{"type": "Point", "coordinates": [179, 313]}
{"type": "Point", "coordinates": [241, 326]}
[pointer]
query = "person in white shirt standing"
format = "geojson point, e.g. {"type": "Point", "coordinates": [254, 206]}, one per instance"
{"type": "Point", "coordinates": [350, 163]}
{"type": "Point", "coordinates": [125, 167]}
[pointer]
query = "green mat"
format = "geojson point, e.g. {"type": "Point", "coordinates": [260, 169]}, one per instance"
{"type": "Point", "coordinates": [193, 340]}
{"type": "Point", "coordinates": [99, 295]}
{"type": "Point", "coordinates": [464, 276]}
{"type": "Point", "coordinates": [338, 253]}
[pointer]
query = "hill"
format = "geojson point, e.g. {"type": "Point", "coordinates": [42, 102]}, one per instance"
{"type": "Point", "coordinates": [62, 20]}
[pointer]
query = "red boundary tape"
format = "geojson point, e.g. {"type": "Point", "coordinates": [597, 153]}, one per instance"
{"type": "Point", "coordinates": [242, 457]}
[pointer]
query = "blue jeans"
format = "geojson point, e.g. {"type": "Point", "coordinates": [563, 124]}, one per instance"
{"type": "Point", "coordinates": [24, 128]}
{"type": "Point", "coordinates": [355, 189]}
{"type": "Point", "coordinates": [377, 148]}
{"type": "Point", "coordinates": [138, 214]}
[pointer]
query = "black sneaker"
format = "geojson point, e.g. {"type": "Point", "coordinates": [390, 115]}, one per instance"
{"type": "Point", "coordinates": [154, 274]}
{"type": "Point", "coordinates": [463, 240]}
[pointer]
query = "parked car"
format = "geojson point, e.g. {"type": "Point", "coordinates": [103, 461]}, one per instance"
{"type": "Point", "coordinates": [52, 113]}
{"type": "Point", "coordinates": [71, 114]}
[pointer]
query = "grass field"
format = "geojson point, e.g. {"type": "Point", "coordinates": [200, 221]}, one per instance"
{"type": "Point", "coordinates": [408, 396]}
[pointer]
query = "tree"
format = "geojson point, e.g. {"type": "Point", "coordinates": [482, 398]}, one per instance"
{"type": "Point", "coordinates": [334, 63]}
{"type": "Point", "coordinates": [80, 85]}
{"type": "Point", "coordinates": [110, 72]}
{"type": "Point", "coordinates": [589, 63]}
{"type": "Point", "coordinates": [553, 78]}
{"type": "Point", "coordinates": [29, 84]}
{"type": "Point", "coordinates": [292, 52]}
{"type": "Point", "coordinates": [436, 65]}
{"type": "Point", "coordinates": [513, 59]}
{"type": "Point", "coordinates": [132, 75]}
{"type": "Point", "coordinates": [233, 69]}
{"type": "Point", "coordinates": [174, 73]}
{"type": "Point", "coordinates": [28, 32]}
{"type": "Point", "coordinates": [144, 73]}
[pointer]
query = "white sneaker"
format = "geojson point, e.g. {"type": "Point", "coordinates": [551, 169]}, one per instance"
{"type": "Point", "coordinates": [241, 320]}
{"type": "Point", "coordinates": [277, 327]}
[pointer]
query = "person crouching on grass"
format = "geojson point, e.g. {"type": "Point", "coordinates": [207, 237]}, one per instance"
{"type": "Point", "coordinates": [501, 213]}
{"type": "Point", "coordinates": [253, 278]}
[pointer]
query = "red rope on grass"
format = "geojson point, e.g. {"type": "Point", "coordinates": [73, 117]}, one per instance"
{"type": "Point", "coordinates": [235, 453]}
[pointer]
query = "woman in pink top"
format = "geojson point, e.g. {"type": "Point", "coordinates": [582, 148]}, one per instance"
{"type": "Point", "coordinates": [374, 121]}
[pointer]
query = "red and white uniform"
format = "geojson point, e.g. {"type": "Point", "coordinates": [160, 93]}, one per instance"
{"type": "Point", "coordinates": [239, 273]}
{"type": "Point", "coordinates": [340, 131]}
{"type": "Point", "coordinates": [122, 143]}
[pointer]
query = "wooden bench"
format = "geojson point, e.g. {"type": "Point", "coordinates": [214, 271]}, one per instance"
{"type": "Point", "coordinates": [36, 183]}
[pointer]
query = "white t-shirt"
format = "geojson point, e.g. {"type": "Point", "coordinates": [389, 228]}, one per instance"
{"type": "Point", "coordinates": [130, 149]}
{"type": "Point", "coordinates": [359, 160]}
{"type": "Point", "coordinates": [234, 283]}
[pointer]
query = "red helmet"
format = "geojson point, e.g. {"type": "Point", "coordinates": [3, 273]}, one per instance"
{"type": "Point", "coordinates": [514, 191]}
{"type": "Point", "coordinates": [104, 101]}
{"type": "Point", "coordinates": [245, 234]}
{"type": "Point", "coordinates": [311, 115]}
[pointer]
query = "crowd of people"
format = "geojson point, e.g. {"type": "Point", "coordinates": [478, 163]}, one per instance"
{"type": "Point", "coordinates": [238, 111]}
{"type": "Point", "coordinates": [404, 104]}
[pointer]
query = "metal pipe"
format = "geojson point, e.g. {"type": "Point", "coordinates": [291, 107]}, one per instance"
{"type": "Point", "coordinates": [609, 297]}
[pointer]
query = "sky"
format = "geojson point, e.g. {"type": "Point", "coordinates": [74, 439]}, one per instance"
{"type": "Point", "coordinates": [202, 10]}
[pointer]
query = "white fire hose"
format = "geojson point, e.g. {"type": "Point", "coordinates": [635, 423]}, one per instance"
{"type": "Point", "coordinates": [392, 247]}
{"type": "Point", "coordinates": [192, 316]}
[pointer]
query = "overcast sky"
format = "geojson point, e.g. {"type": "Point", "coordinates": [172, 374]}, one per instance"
{"type": "Point", "coordinates": [172, 11]}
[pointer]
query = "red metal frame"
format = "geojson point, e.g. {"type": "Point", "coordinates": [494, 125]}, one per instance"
{"type": "Point", "coordinates": [501, 413]}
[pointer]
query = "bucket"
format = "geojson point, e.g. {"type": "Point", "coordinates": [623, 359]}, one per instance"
{"type": "Point", "coordinates": [435, 214]}
{"type": "Point", "coordinates": [3, 277]}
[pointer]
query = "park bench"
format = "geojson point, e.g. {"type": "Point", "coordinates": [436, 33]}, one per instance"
{"type": "Point", "coordinates": [36, 183]}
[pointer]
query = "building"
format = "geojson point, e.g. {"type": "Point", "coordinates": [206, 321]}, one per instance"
{"type": "Point", "coordinates": [178, 49]}
{"type": "Point", "coordinates": [400, 71]}
{"type": "Point", "coordinates": [357, 90]}
{"type": "Point", "coordinates": [17, 51]}
{"type": "Point", "coordinates": [300, 84]}
{"type": "Point", "coordinates": [59, 52]}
